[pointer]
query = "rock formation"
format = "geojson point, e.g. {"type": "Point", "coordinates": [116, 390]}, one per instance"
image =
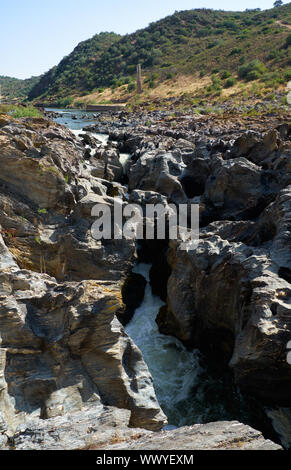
{"type": "Point", "coordinates": [67, 368]}
{"type": "Point", "coordinates": [62, 348]}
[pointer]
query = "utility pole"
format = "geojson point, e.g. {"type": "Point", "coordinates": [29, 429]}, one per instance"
{"type": "Point", "coordinates": [138, 79]}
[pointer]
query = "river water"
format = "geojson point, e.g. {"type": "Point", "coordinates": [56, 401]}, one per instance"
{"type": "Point", "coordinates": [185, 392]}
{"type": "Point", "coordinates": [174, 369]}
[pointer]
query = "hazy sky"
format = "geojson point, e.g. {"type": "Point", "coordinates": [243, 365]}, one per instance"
{"type": "Point", "coordinates": [35, 35]}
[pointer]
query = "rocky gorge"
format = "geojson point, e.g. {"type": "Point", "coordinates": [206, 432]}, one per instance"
{"type": "Point", "coordinates": [70, 375]}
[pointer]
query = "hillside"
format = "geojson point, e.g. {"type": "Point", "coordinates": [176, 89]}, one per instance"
{"type": "Point", "coordinates": [14, 88]}
{"type": "Point", "coordinates": [75, 72]}
{"type": "Point", "coordinates": [248, 46]}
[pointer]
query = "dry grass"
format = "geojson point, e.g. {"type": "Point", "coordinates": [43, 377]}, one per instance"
{"type": "Point", "coordinates": [184, 84]}
{"type": "Point", "coordinates": [192, 87]}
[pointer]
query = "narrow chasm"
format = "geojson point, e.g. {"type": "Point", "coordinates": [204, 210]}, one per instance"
{"type": "Point", "coordinates": [190, 388]}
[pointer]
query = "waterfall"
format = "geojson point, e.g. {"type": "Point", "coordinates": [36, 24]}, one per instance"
{"type": "Point", "coordinates": [174, 369]}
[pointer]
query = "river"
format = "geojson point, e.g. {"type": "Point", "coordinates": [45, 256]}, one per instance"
{"type": "Point", "coordinates": [186, 393]}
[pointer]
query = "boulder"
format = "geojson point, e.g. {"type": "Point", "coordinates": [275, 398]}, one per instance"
{"type": "Point", "coordinates": [159, 172]}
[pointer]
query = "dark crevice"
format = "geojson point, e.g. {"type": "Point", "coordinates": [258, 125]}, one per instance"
{"type": "Point", "coordinates": [192, 187]}
{"type": "Point", "coordinates": [155, 252]}
{"type": "Point", "coordinates": [133, 291]}
{"type": "Point", "coordinates": [285, 273]}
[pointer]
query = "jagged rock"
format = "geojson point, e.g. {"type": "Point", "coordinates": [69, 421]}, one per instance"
{"type": "Point", "coordinates": [246, 320]}
{"type": "Point", "coordinates": [257, 148]}
{"type": "Point", "coordinates": [132, 294]}
{"type": "Point", "coordinates": [195, 176]}
{"type": "Point", "coordinates": [89, 139]}
{"type": "Point", "coordinates": [44, 206]}
{"type": "Point", "coordinates": [281, 419]}
{"type": "Point", "coordinates": [65, 349]}
{"type": "Point", "coordinates": [64, 355]}
{"type": "Point", "coordinates": [236, 188]}
{"type": "Point", "coordinates": [62, 348]}
{"type": "Point", "coordinates": [107, 165]}
{"type": "Point", "coordinates": [158, 172]}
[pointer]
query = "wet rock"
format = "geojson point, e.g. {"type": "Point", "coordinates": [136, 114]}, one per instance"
{"type": "Point", "coordinates": [107, 165]}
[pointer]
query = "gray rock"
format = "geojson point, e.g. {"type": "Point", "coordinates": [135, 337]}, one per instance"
{"type": "Point", "coordinates": [246, 319]}
{"type": "Point", "coordinates": [212, 436]}
{"type": "Point", "coordinates": [94, 427]}
{"type": "Point", "coordinates": [159, 172]}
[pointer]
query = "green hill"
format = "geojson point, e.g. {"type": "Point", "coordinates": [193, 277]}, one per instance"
{"type": "Point", "coordinates": [75, 73]}
{"type": "Point", "coordinates": [246, 45]}
{"type": "Point", "coordinates": [14, 88]}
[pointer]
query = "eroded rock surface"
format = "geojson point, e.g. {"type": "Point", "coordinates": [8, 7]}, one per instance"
{"type": "Point", "coordinates": [212, 436]}
{"type": "Point", "coordinates": [62, 349]}
{"type": "Point", "coordinates": [66, 365]}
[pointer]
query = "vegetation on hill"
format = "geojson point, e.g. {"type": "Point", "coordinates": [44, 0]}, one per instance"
{"type": "Point", "coordinates": [227, 48]}
{"type": "Point", "coordinates": [14, 88]}
{"type": "Point", "coordinates": [249, 45]}
{"type": "Point", "coordinates": [75, 72]}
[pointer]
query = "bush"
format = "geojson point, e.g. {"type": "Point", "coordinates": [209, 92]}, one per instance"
{"type": "Point", "coordinates": [131, 87]}
{"type": "Point", "coordinates": [230, 82]}
{"type": "Point", "coordinates": [65, 102]}
{"type": "Point", "coordinates": [225, 74]}
{"type": "Point", "coordinates": [287, 75]}
{"type": "Point", "coordinates": [21, 112]}
{"type": "Point", "coordinates": [253, 75]}
{"type": "Point", "coordinates": [288, 40]}
{"type": "Point", "coordinates": [252, 71]}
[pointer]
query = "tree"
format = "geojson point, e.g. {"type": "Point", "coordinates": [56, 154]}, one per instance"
{"type": "Point", "coordinates": [278, 3]}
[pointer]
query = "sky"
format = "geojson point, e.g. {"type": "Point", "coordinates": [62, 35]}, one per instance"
{"type": "Point", "coordinates": [35, 35]}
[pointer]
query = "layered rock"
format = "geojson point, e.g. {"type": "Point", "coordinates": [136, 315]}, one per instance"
{"type": "Point", "coordinates": [65, 361]}
{"type": "Point", "coordinates": [62, 349]}
{"type": "Point", "coordinates": [80, 431]}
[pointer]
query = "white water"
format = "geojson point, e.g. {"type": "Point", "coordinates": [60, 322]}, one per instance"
{"type": "Point", "coordinates": [174, 369]}
{"type": "Point", "coordinates": [103, 138]}
{"type": "Point", "coordinates": [124, 157]}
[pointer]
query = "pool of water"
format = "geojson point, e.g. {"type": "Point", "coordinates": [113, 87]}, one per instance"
{"type": "Point", "coordinates": [68, 116]}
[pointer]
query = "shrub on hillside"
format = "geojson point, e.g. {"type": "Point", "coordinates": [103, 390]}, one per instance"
{"type": "Point", "coordinates": [131, 87]}
{"type": "Point", "coordinates": [65, 102]}
{"type": "Point", "coordinates": [287, 75]}
{"type": "Point", "coordinates": [225, 74]}
{"type": "Point", "coordinates": [236, 50]}
{"type": "Point", "coordinates": [252, 71]}
{"type": "Point", "coordinates": [231, 81]}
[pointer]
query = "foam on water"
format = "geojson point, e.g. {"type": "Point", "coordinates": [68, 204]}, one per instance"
{"type": "Point", "coordinates": [174, 369]}
{"type": "Point", "coordinates": [124, 157]}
